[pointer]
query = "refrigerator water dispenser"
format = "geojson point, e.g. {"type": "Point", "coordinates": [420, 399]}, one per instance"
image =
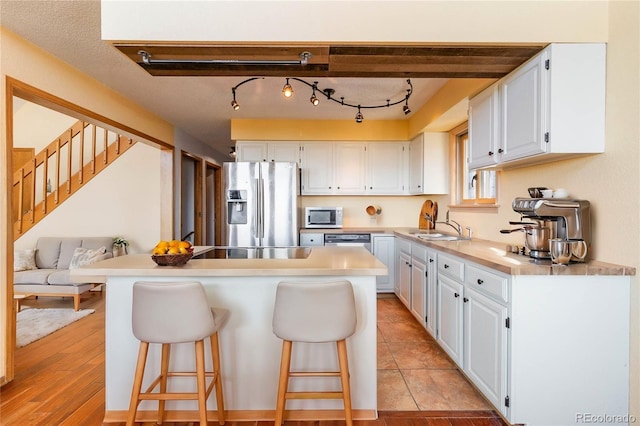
{"type": "Point", "coordinates": [236, 207]}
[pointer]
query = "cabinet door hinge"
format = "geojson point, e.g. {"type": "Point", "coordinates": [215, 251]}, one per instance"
{"type": "Point", "coordinates": [506, 401]}
{"type": "Point", "coordinates": [426, 318]}
{"type": "Point", "coordinates": [426, 273]}
{"type": "Point", "coordinates": [547, 63]}
{"type": "Point", "coordinates": [546, 137]}
{"type": "Point", "coordinates": [507, 322]}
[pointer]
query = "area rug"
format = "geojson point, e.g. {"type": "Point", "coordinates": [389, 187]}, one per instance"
{"type": "Point", "coordinates": [34, 324]}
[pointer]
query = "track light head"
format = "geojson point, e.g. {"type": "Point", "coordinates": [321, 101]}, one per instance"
{"type": "Point", "coordinates": [314, 100]}
{"type": "Point", "coordinates": [287, 90]}
{"type": "Point", "coordinates": [235, 105]}
{"type": "Point", "coordinates": [406, 109]}
{"type": "Point", "coordinates": [359, 116]}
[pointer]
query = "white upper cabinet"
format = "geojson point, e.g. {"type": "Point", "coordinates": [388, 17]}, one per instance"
{"type": "Point", "coordinates": [354, 168]}
{"type": "Point", "coordinates": [522, 111]}
{"type": "Point", "coordinates": [268, 151]}
{"type": "Point", "coordinates": [387, 171]}
{"type": "Point", "coordinates": [429, 163]}
{"type": "Point", "coordinates": [484, 115]}
{"type": "Point", "coordinates": [552, 107]}
{"type": "Point", "coordinates": [285, 151]}
{"type": "Point", "coordinates": [349, 168]}
{"type": "Point", "coordinates": [317, 168]}
{"type": "Point", "coordinates": [251, 151]}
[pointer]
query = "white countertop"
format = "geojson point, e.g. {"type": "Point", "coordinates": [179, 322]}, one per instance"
{"type": "Point", "coordinates": [324, 261]}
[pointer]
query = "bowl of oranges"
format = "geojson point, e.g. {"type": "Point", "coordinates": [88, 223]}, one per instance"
{"type": "Point", "coordinates": [172, 253]}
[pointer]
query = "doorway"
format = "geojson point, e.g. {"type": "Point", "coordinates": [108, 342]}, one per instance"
{"type": "Point", "coordinates": [191, 199]}
{"type": "Point", "coordinates": [213, 217]}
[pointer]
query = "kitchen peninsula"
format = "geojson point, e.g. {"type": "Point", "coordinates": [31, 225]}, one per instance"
{"type": "Point", "coordinates": [250, 352]}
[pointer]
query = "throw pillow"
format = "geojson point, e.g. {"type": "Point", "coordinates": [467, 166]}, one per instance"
{"type": "Point", "coordinates": [24, 260]}
{"type": "Point", "coordinates": [84, 256]}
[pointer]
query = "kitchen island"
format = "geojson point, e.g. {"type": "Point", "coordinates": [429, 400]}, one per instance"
{"type": "Point", "coordinates": [250, 351]}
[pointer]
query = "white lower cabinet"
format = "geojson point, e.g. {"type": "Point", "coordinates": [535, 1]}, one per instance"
{"type": "Point", "coordinates": [543, 349]}
{"type": "Point", "coordinates": [432, 292]}
{"type": "Point", "coordinates": [450, 317]}
{"type": "Point", "coordinates": [309, 239]}
{"type": "Point", "coordinates": [419, 283]}
{"type": "Point", "coordinates": [403, 272]}
{"type": "Point", "coordinates": [383, 247]}
{"type": "Point", "coordinates": [485, 346]}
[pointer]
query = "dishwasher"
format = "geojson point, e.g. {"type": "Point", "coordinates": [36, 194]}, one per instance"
{"type": "Point", "coordinates": [360, 240]}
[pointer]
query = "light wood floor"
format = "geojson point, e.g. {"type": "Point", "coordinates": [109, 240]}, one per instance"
{"type": "Point", "coordinates": [60, 381]}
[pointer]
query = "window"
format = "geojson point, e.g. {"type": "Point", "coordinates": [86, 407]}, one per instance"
{"type": "Point", "coordinates": [472, 186]}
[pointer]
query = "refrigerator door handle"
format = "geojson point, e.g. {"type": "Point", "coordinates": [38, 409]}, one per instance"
{"type": "Point", "coordinates": [258, 208]}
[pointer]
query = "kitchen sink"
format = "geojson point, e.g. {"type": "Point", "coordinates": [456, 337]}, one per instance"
{"type": "Point", "coordinates": [435, 236]}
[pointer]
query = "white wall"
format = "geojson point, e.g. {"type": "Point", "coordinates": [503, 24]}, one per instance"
{"type": "Point", "coordinates": [123, 200]}
{"type": "Point", "coordinates": [35, 126]}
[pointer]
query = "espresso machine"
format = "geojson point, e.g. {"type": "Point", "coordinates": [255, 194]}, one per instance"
{"type": "Point", "coordinates": [567, 220]}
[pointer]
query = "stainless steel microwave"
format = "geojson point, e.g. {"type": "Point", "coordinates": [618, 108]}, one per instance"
{"type": "Point", "coordinates": [323, 217]}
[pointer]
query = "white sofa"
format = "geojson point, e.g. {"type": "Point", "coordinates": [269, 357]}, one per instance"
{"type": "Point", "coordinates": [53, 256]}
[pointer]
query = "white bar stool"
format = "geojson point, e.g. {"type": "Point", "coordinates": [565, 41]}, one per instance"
{"type": "Point", "coordinates": [314, 313]}
{"type": "Point", "coordinates": [175, 312]}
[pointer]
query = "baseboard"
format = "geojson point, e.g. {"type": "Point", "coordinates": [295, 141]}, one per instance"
{"type": "Point", "coordinates": [119, 416]}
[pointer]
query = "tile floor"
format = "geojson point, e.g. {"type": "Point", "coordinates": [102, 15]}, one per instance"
{"type": "Point", "coordinates": [414, 373]}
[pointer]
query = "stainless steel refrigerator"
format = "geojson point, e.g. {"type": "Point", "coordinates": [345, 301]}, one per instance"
{"type": "Point", "coordinates": [261, 204]}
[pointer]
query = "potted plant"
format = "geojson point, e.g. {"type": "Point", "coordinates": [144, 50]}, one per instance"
{"type": "Point", "coordinates": [119, 246]}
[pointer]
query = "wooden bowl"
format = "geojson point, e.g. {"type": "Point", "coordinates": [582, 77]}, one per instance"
{"type": "Point", "coordinates": [172, 259]}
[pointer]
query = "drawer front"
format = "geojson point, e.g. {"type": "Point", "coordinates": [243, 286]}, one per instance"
{"type": "Point", "coordinates": [451, 267]}
{"type": "Point", "coordinates": [404, 246]}
{"type": "Point", "coordinates": [486, 282]}
{"type": "Point", "coordinates": [419, 251]}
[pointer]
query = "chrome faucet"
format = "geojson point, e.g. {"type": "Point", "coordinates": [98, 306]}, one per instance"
{"type": "Point", "coordinates": [431, 219]}
{"type": "Point", "coordinates": [452, 223]}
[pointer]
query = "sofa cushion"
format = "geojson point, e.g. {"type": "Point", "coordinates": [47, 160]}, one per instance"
{"type": "Point", "coordinates": [84, 256]}
{"type": "Point", "coordinates": [47, 252]}
{"type": "Point", "coordinates": [63, 278]}
{"type": "Point", "coordinates": [24, 260]}
{"type": "Point", "coordinates": [35, 276]}
{"type": "Point", "coordinates": [67, 247]}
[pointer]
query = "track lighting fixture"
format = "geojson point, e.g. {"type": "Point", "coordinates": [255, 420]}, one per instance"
{"type": "Point", "coordinates": [287, 90]}
{"type": "Point", "coordinates": [314, 100]}
{"type": "Point", "coordinates": [233, 152]}
{"type": "Point", "coordinates": [328, 93]}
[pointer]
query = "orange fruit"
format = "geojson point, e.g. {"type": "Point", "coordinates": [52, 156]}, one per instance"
{"type": "Point", "coordinates": [173, 250]}
{"type": "Point", "coordinates": [184, 244]}
{"type": "Point", "coordinates": [159, 250]}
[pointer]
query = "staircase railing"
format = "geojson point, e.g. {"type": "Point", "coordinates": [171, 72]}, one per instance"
{"type": "Point", "coordinates": [62, 168]}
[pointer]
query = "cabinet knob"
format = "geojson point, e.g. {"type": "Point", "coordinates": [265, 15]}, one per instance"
{"type": "Point", "coordinates": [479, 281]}
{"type": "Point", "coordinates": [337, 187]}
{"type": "Point", "coordinates": [465, 300]}
{"type": "Point", "coordinates": [500, 151]}
{"type": "Point", "coordinates": [446, 266]}
{"type": "Point", "coordinates": [430, 260]}
{"type": "Point", "coordinates": [329, 187]}
{"type": "Point", "coordinates": [456, 295]}
{"type": "Point", "coordinates": [490, 153]}
{"type": "Point", "coordinates": [371, 187]}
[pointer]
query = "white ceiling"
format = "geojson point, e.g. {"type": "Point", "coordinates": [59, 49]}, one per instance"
{"type": "Point", "coordinates": [200, 106]}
